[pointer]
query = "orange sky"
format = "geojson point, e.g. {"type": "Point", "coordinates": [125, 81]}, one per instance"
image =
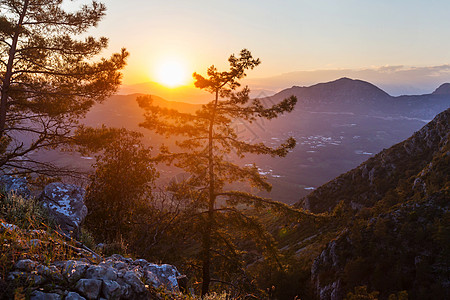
{"type": "Point", "coordinates": [288, 36]}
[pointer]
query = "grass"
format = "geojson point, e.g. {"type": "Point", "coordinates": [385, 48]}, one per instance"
{"type": "Point", "coordinates": [26, 233]}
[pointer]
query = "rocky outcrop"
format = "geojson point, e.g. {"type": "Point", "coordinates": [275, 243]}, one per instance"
{"type": "Point", "coordinates": [115, 277]}
{"type": "Point", "coordinates": [17, 185]}
{"type": "Point", "coordinates": [402, 249]}
{"type": "Point", "coordinates": [65, 203]}
{"type": "Point", "coordinates": [367, 184]}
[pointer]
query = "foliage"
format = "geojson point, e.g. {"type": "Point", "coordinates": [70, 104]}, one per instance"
{"type": "Point", "coordinates": [122, 182]}
{"type": "Point", "coordinates": [361, 293]}
{"type": "Point", "coordinates": [206, 139]}
{"type": "Point", "coordinates": [22, 212]}
{"type": "Point", "coordinates": [25, 233]}
{"type": "Point", "coordinates": [49, 78]}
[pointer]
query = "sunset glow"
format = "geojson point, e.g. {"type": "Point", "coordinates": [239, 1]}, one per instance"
{"type": "Point", "coordinates": [171, 73]}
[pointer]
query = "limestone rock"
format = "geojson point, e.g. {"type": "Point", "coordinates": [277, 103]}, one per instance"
{"type": "Point", "coordinates": [65, 203]}
{"type": "Point", "coordinates": [90, 288]}
{"type": "Point", "coordinates": [16, 185]}
{"type": "Point", "coordinates": [38, 295]}
{"type": "Point", "coordinates": [74, 296]}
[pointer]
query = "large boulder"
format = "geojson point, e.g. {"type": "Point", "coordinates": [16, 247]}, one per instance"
{"type": "Point", "coordinates": [65, 203]}
{"type": "Point", "coordinates": [17, 185]}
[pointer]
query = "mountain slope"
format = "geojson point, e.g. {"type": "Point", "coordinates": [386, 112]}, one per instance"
{"type": "Point", "coordinates": [369, 183]}
{"type": "Point", "coordinates": [402, 243]}
{"type": "Point", "coordinates": [387, 226]}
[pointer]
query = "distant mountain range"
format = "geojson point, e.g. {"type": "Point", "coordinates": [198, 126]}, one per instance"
{"type": "Point", "coordinates": [363, 97]}
{"type": "Point", "coordinates": [338, 125]}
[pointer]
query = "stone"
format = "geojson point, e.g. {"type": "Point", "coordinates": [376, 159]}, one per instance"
{"type": "Point", "coordinates": [38, 295]}
{"type": "Point", "coordinates": [89, 288]}
{"type": "Point", "coordinates": [65, 203]}
{"type": "Point", "coordinates": [111, 289]}
{"type": "Point", "coordinates": [166, 276]}
{"type": "Point", "coordinates": [74, 296]}
{"type": "Point", "coordinates": [136, 284]}
{"type": "Point", "coordinates": [101, 272]}
{"type": "Point", "coordinates": [25, 265]}
{"type": "Point", "coordinates": [74, 270]}
{"type": "Point", "coordinates": [15, 185]}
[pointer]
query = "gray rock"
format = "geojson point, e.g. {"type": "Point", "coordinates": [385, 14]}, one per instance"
{"type": "Point", "coordinates": [136, 284]}
{"type": "Point", "coordinates": [38, 295]}
{"type": "Point", "coordinates": [74, 270]}
{"type": "Point", "coordinates": [74, 296]}
{"type": "Point", "coordinates": [65, 203]}
{"type": "Point", "coordinates": [51, 273]}
{"type": "Point", "coordinates": [35, 279]}
{"type": "Point", "coordinates": [25, 265]}
{"type": "Point", "coordinates": [89, 288]}
{"type": "Point", "coordinates": [103, 272]}
{"type": "Point", "coordinates": [111, 289]}
{"type": "Point", "coordinates": [15, 185]}
{"type": "Point", "coordinates": [166, 276]}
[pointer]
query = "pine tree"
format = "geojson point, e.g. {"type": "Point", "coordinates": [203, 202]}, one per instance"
{"type": "Point", "coordinates": [49, 78]}
{"type": "Point", "coordinates": [205, 139]}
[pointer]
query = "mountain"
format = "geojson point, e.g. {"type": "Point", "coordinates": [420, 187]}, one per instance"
{"type": "Point", "coordinates": [337, 125]}
{"type": "Point", "coordinates": [356, 96]}
{"type": "Point", "coordinates": [367, 184]}
{"type": "Point", "coordinates": [187, 93]}
{"type": "Point", "coordinates": [444, 89]}
{"type": "Point", "coordinates": [385, 228]}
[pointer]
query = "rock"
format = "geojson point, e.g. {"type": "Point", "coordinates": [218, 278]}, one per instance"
{"type": "Point", "coordinates": [136, 284]}
{"type": "Point", "coordinates": [111, 289]}
{"type": "Point", "coordinates": [74, 270]}
{"type": "Point", "coordinates": [25, 265]}
{"type": "Point", "coordinates": [15, 185]}
{"type": "Point", "coordinates": [74, 296]}
{"type": "Point", "coordinates": [90, 288]}
{"type": "Point", "coordinates": [101, 272]}
{"type": "Point", "coordinates": [38, 295]}
{"type": "Point", "coordinates": [166, 276]}
{"type": "Point", "coordinates": [77, 279]}
{"type": "Point", "coordinates": [65, 203]}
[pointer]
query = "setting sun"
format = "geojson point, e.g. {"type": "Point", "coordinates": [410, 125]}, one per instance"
{"type": "Point", "coordinates": [171, 73]}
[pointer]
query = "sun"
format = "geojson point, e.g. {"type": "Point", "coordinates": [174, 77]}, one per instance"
{"type": "Point", "coordinates": [171, 73]}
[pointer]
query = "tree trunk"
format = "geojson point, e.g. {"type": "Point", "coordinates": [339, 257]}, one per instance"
{"type": "Point", "coordinates": [9, 70]}
{"type": "Point", "coordinates": [206, 257]}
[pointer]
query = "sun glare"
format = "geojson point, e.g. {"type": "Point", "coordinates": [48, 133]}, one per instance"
{"type": "Point", "coordinates": [171, 73]}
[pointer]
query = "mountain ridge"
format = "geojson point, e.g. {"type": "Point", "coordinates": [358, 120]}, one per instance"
{"type": "Point", "coordinates": [368, 183]}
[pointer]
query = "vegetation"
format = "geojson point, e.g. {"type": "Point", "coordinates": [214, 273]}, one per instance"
{"type": "Point", "coordinates": [26, 233]}
{"type": "Point", "coordinates": [122, 181]}
{"type": "Point", "coordinates": [206, 138]}
{"type": "Point", "coordinates": [49, 79]}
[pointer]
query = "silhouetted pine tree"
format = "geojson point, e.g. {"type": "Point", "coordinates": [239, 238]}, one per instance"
{"type": "Point", "coordinates": [204, 141]}
{"type": "Point", "coordinates": [48, 78]}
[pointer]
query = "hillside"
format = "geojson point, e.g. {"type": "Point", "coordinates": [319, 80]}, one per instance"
{"type": "Point", "coordinates": [386, 227]}
{"type": "Point", "coordinates": [370, 182]}
{"type": "Point", "coordinates": [332, 138]}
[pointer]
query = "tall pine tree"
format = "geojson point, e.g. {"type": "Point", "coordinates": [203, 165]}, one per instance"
{"type": "Point", "coordinates": [48, 78]}
{"type": "Point", "coordinates": [205, 139]}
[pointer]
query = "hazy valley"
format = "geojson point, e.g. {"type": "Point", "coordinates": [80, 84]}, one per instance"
{"type": "Point", "coordinates": [337, 125]}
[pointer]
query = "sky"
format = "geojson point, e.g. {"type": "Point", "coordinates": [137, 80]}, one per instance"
{"type": "Point", "coordinates": [288, 36]}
